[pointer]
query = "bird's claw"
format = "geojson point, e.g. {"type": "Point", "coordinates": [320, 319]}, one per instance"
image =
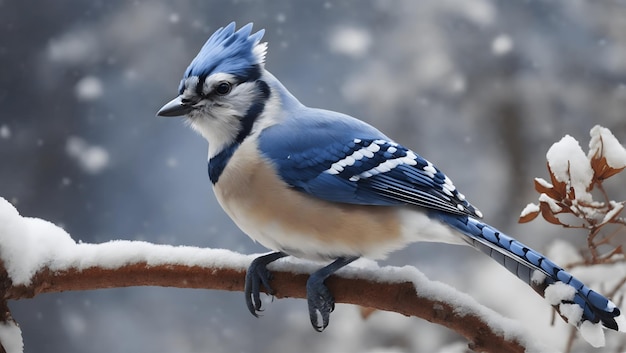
{"type": "Point", "coordinates": [255, 277]}
{"type": "Point", "coordinates": [321, 304]}
{"type": "Point", "coordinates": [258, 275]}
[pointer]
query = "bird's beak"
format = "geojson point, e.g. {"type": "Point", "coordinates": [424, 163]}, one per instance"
{"type": "Point", "coordinates": [175, 107]}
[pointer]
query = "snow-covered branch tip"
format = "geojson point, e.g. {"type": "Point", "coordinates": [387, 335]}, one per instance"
{"type": "Point", "coordinates": [39, 257]}
{"type": "Point", "coordinates": [575, 179]}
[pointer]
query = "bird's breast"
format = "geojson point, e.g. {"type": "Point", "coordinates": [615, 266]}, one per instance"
{"type": "Point", "coordinates": [284, 219]}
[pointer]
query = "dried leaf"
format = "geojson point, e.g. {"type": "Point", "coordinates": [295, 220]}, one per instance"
{"type": "Point", "coordinates": [528, 217]}
{"type": "Point", "coordinates": [547, 213]}
{"type": "Point", "coordinates": [609, 173]}
{"type": "Point", "coordinates": [602, 170]}
{"type": "Point", "coordinates": [543, 187]}
{"type": "Point", "coordinates": [558, 186]}
{"type": "Point", "coordinates": [598, 164]}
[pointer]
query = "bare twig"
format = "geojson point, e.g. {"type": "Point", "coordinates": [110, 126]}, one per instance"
{"type": "Point", "coordinates": [569, 344]}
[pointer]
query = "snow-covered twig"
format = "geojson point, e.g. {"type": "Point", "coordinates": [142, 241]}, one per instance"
{"type": "Point", "coordinates": [432, 301]}
{"type": "Point", "coordinates": [39, 257]}
{"type": "Point", "coordinates": [574, 176]}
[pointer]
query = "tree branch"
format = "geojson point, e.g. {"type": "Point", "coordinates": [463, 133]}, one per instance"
{"type": "Point", "coordinates": [360, 286]}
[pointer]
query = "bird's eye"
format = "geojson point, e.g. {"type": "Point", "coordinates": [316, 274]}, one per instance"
{"type": "Point", "coordinates": [223, 88]}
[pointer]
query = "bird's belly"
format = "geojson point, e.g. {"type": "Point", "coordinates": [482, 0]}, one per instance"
{"type": "Point", "coordinates": [284, 219]}
{"type": "Point", "coordinates": [295, 223]}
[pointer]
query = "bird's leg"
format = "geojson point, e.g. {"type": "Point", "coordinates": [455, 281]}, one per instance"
{"type": "Point", "coordinates": [256, 276]}
{"type": "Point", "coordinates": [320, 300]}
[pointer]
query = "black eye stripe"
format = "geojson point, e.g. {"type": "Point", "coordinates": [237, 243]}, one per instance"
{"type": "Point", "coordinates": [200, 85]}
{"type": "Point", "coordinates": [221, 88]}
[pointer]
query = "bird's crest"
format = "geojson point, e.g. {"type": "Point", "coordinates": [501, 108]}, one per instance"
{"type": "Point", "coordinates": [238, 53]}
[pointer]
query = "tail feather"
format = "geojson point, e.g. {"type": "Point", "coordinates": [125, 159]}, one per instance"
{"type": "Point", "coordinates": [539, 272]}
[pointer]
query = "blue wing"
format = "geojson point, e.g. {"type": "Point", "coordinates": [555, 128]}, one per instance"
{"type": "Point", "coordinates": [338, 158]}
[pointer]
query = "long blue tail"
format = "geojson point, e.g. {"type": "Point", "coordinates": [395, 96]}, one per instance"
{"type": "Point", "coordinates": [524, 262]}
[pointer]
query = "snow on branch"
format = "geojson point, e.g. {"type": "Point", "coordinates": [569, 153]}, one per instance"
{"type": "Point", "coordinates": [39, 257]}
{"type": "Point", "coordinates": [573, 177]}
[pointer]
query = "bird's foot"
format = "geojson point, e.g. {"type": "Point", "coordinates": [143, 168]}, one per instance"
{"type": "Point", "coordinates": [258, 275]}
{"type": "Point", "coordinates": [321, 303]}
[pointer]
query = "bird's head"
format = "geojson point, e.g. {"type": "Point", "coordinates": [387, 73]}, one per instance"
{"type": "Point", "coordinates": [221, 91]}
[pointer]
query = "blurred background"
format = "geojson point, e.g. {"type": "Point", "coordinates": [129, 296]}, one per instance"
{"type": "Point", "coordinates": [480, 87]}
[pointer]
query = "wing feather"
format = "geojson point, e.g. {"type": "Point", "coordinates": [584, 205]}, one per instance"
{"type": "Point", "coordinates": [353, 162]}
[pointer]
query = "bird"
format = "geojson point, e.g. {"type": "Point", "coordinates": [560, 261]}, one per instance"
{"type": "Point", "coordinates": [324, 186]}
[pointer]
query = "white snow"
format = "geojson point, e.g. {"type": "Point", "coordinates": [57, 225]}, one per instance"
{"type": "Point", "coordinates": [350, 41]}
{"type": "Point", "coordinates": [91, 159]}
{"type": "Point", "coordinates": [538, 277]}
{"type": "Point", "coordinates": [89, 88]}
{"type": "Point", "coordinates": [554, 207]}
{"type": "Point", "coordinates": [530, 208]}
{"type": "Point", "coordinates": [281, 17]}
{"type": "Point", "coordinates": [171, 162]}
{"type": "Point", "coordinates": [558, 292]}
{"type": "Point", "coordinates": [617, 208]}
{"type": "Point", "coordinates": [481, 12]}
{"type": "Point", "coordinates": [570, 165]}
{"type": "Point", "coordinates": [592, 333]}
{"type": "Point", "coordinates": [572, 312]}
{"type": "Point", "coordinates": [73, 47]}
{"type": "Point", "coordinates": [501, 45]}
{"type": "Point", "coordinates": [5, 132]}
{"type": "Point", "coordinates": [11, 337]}
{"type": "Point", "coordinates": [174, 17]}
{"type": "Point", "coordinates": [603, 143]}
{"type": "Point", "coordinates": [458, 84]}
{"type": "Point", "coordinates": [544, 183]}
{"type": "Point", "coordinates": [28, 245]}
{"type": "Point", "coordinates": [596, 276]}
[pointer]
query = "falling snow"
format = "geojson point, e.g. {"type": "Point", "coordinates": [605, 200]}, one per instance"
{"type": "Point", "coordinates": [73, 47]}
{"type": "Point", "coordinates": [350, 41]}
{"type": "Point", "coordinates": [91, 159]}
{"type": "Point", "coordinates": [501, 45]}
{"type": "Point", "coordinates": [88, 88]}
{"type": "Point", "coordinates": [5, 132]}
{"type": "Point", "coordinates": [424, 77]}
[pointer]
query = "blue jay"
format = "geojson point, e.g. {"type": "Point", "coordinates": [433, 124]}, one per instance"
{"type": "Point", "coordinates": [322, 185]}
